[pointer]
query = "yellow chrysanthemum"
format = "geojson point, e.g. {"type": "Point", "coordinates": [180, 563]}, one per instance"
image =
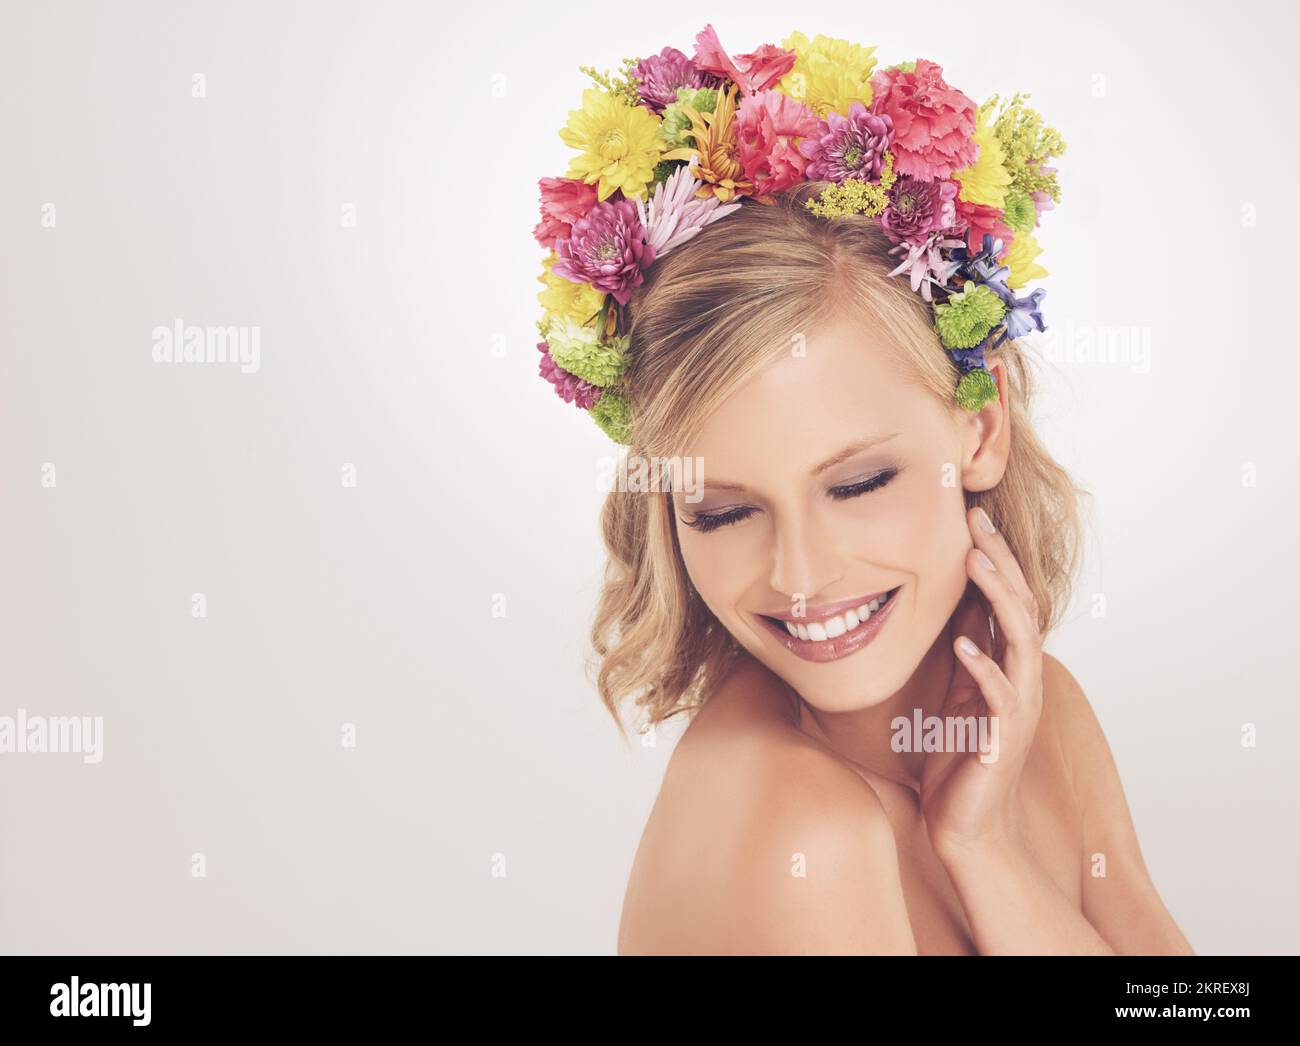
{"type": "Point", "coordinates": [579, 301]}
{"type": "Point", "coordinates": [828, 74]}
{"type": "Point", "coordinates": [986, 180]}
{"type": "Point", "coordinates": [618, 144]}
{"type": "Point", "coordinates": [1020, 260]}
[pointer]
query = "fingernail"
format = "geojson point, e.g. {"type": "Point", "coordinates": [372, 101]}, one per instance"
{"type": "Point", "coordinates": [967, 647]}
{"type": "Point", "coordinates": [986, 524]}
{"type": "Point", "coordinates": [985, 562]}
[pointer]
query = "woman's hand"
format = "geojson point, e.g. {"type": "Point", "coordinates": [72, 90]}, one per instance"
{"type": "Point", "coordinates": [968, 804]}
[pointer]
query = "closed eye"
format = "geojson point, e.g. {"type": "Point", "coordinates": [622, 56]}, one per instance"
{"type": "Point", "coordinates": [705, 522]}
{"type": "Point", "coordinates": [865, 486]}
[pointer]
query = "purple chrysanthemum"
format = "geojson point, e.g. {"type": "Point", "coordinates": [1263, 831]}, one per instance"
{"type": "Point", "coordinates": [606, 248]}
{"type": "Point", "coordinates": [918, 208]}
{"type": "Point", "coordinates": [659, 76]}
{"type": "Point", "coordinates": [850, 146]}
{"type": "Point", "coordinates": [569, 387]}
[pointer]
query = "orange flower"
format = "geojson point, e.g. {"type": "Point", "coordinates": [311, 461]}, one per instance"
{"type": "Point", "coordinates": [716, 160]}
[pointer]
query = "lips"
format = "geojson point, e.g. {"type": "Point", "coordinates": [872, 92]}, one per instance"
{"type": "Point", "coordinates": [836, 623]}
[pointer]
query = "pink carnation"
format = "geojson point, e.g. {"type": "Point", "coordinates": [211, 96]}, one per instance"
{"type": "Point", "coordinates": [751, 72]}
{"type": "Point", "coordinates": [934, 124]}
{"type": "Point", "coordinates": [768, 126]}
{"type": "Point", "coordinates": [606, 248]}
{"type": "Point", "coordinates": [564, 201]}
{"type": "Point", "coordinates": [976, 219]}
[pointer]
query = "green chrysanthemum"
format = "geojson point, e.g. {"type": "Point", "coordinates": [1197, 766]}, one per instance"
{"type": "Point", "coordinates": [966, 318]}
{"type": "Point", "coordinates": [675, 121]}
{"type": "Point", "coordinates": [663, 171]}
{"type": "Point", "coordinates": [975, 389]}
{"type": "Point", "coordinates": [1021, 214]}
{"type": "Point", "coordinates": [583, 353]}
{"type": "Point", "coordinates": [612, 414]}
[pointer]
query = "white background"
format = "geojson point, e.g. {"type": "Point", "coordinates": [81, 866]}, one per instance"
{"type": "Point", "coordinates": [406, 347]}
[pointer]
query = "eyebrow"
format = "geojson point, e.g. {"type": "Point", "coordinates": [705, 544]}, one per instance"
{"type": "Point", "coordinates": [856, 447]}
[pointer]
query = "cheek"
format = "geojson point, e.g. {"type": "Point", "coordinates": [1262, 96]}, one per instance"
{"type": "Point", "coordinates": [921, 532]}
{"type": "Point", "coordinates": [712, 564]}
{"type": "Point", "coordinates": [943, 540]}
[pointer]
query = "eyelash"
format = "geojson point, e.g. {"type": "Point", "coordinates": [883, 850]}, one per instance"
{"type": "Point", "coordinates": [844, 492]}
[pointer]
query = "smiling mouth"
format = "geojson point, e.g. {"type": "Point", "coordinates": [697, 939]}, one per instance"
{"type": "Point", "coordinates": [833, 636]}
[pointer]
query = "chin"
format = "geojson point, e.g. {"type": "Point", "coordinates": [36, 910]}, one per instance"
{"type": "Point", "coordinates": [846, 696]}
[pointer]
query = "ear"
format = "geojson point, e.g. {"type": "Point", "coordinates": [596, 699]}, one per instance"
{"type": "Point", "coordinates": [986, 441]}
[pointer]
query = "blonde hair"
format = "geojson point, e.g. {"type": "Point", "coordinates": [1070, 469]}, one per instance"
{"type": "Point", "coordinates": [700, 325]}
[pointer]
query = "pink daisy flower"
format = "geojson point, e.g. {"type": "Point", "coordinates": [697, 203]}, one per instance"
{"type": "Point", "coordinates": [674, 214]}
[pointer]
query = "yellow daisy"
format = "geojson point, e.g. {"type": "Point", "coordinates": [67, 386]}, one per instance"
{"type": "Point", "coordinates": [618, 144]}
{"type": "Point", "coordinates": [578, 301]}
{"type": "Point", "coordinates": [828, 74]}
{"type": "Point", "coordinates": [1020, 260]}
{"type": "Point", "coordinates": [987, 179]}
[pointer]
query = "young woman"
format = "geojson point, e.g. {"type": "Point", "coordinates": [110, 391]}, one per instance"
{"type": "Point", "coordinates": [837, 474]}
{"type": "Point", "coordinates": [861, 552]}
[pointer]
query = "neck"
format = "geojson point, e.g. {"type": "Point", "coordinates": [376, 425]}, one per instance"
{"type": "Point", "coordinates": [863, 735]}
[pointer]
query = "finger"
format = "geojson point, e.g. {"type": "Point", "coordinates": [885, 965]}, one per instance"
{"type": "Point", "coordinates": [974, 617]}
{"type": "Point", "coordinates": [998, 692]}
{"type": "Point", "coordinates": [1023, 642]}
{"type": "Point", "coordinates": [978, 610]}
{"type": "Point", "coordinates": [971, 618]}
{"type": "Point", "coordinates": [997, 549]}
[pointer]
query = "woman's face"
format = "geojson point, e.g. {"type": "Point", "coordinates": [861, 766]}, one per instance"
{"type": "Point", "coordinates": [829, 479]}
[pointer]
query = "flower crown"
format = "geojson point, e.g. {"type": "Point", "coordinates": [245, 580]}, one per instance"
{"type": "Point", "coordinates": [674, 143]}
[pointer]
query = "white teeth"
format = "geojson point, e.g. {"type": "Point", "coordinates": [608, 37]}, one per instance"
{"type": "Point", "coordinates": [832, 627]}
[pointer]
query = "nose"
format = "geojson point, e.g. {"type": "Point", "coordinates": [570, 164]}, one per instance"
{"type": "Point", "coordinates": [804, 560]}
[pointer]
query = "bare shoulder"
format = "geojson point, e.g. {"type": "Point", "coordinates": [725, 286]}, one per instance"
{"type": "Point", "coordinates": [1119, 897]}
{"type": "Point", "coordinates": [762, 842]}
{"type": "Point", "coordinates": [1093, 774]}
{"type": "Point", "coordinates": [1075, 735]}
{"type": "Point", "coordinates": [1072, 724]}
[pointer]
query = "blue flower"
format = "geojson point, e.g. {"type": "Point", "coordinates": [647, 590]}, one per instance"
{"type": "Point", "coordinates": [973, 358]}
{"type": "Point", "coordinates": [984, 268]}
{"type": "Point", "coordinates": [1023, 315]}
